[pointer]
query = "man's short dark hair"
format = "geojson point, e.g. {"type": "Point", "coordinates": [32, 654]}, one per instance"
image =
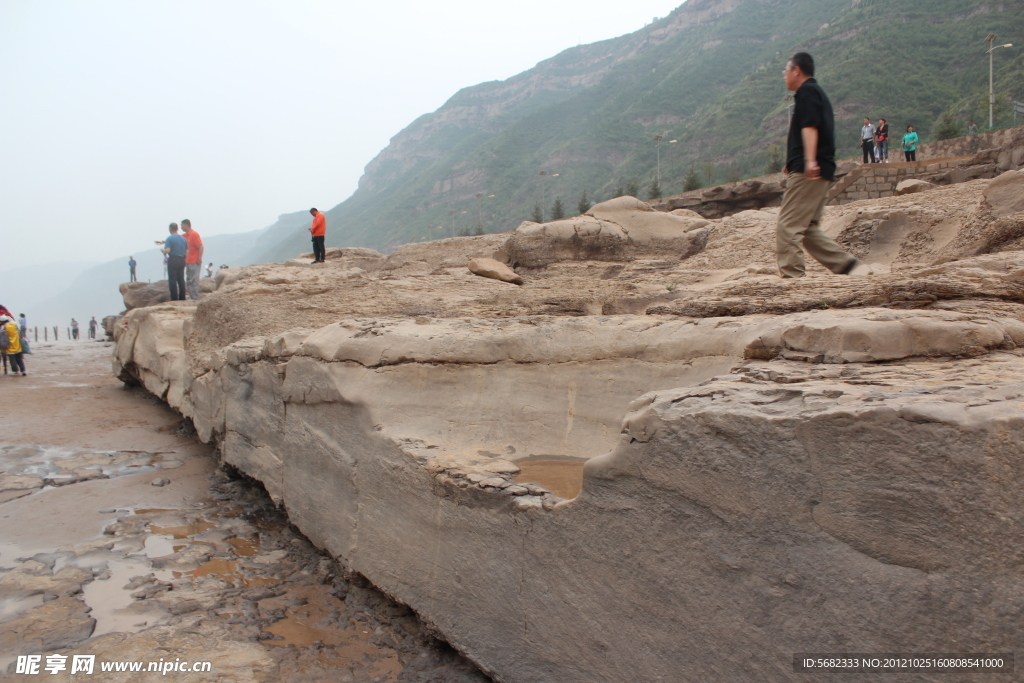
{"type": "Point", "coordinates": [173, 227]}
{"type": "Point", "coordinates": [185, 221]}
{"type": "Point", "coordinates": [313, 210]}
{"type": "Point", "coordinates": [804, 62]}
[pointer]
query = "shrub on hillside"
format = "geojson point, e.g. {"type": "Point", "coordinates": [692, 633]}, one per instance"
{"type": "Point", "coordinates": [947, 127]}
{"type": "Point", "coordinates": [691, 181]}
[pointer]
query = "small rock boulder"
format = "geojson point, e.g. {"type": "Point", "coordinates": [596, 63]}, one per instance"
{"type": "Point", "coordinates": [108, 324]}
{"type": "Point", "coordinates": [1005, 194]}
{"type": "Point", "coordinates": [496, 270]}
{"type": "Point", "coordinates": [689, 213]}
{"type": "Point", "coordinates": [912, 185]}
{"type": "Point", "coordinates": [141, 294]}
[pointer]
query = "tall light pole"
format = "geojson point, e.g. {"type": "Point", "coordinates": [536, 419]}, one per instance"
{"type": "Point", "coordinates": [657, 147]}
{"type": "Point", "coordinates": [990, 38]}
{"type": "Point", "coordinates": [480, 210]}
{"type": "Point", "coordinates": [543, 175]}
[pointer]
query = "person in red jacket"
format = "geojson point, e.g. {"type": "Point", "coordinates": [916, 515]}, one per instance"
{"type": "Point", "coordinates": [318, 229]}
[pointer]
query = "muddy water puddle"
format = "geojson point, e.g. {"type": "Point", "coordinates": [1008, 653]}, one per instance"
{"type": "Point", "coordinates": [25, 469]}
{"type": "Point", "coordinates": [562, 475]}
{"type": "Point", "coordinates": [315, 622]}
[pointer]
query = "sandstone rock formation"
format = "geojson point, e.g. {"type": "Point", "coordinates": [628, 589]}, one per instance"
{"type": "Point", "coordinates": [496, 270]}
{"type": "Point", "coordinates": [768, 466]}
{"type": "Point", "coordinates": [620, 229]}
{"type": "Point", "coordinates": [352, 257]}
{"type": "Point", "coordinates": [912, 185]}
{"type": "Point", "coordinates": [141, 294]}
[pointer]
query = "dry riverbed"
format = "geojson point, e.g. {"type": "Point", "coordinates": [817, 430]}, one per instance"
{"type": "Point", "coordinates": [120, 537]}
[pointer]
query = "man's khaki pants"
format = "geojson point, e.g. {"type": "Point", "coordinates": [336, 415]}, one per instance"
{"type": "Point", "coordinates": [797, 229]}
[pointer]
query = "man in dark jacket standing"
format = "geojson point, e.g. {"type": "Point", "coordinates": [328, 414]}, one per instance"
{"type": "Point", "coordinates": [810, 168]}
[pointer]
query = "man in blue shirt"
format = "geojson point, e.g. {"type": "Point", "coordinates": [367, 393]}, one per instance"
{"type": "Point", "coordinates": [810, 168]}
{"type": "Point", "coordinates": [175, 247]}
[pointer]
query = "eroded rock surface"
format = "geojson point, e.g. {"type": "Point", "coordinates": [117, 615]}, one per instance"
{"type": "Point", "coordinates": [816, 465]}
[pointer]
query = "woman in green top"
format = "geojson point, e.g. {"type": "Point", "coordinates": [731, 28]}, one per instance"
{"type": "Point", "coordinates": [910, 144]}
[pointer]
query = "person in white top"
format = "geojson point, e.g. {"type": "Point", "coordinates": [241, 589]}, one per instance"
{"type": "Point", "coordinates": [867, 141]}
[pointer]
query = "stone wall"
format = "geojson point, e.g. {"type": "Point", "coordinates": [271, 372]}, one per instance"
{"type": "Point", "coordinates": [966, 144]}
{"type": "Point", "coordinates": [871, 181]}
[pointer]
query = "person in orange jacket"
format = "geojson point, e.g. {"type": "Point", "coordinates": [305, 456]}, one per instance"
{"type": "Point", "coordinates": [318, 229]}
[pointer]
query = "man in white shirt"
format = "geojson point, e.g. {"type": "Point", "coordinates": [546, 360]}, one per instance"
{"type": "Point", "coordinates": [867, 140]}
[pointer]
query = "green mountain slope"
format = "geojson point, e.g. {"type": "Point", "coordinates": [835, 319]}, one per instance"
{"type": "Point", "coordinates": [707, 76]}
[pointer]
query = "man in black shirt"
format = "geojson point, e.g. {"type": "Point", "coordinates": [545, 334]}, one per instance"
{"type": "Point", "coordinates": [810, 168]}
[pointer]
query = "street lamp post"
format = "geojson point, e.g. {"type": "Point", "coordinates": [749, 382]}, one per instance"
{"type": "Point", "coordinates": [657, 148]}
{"type": "Point", "coordinates": [480, 210]}
{"type": "Point", "coordinates": [990, 38]}
{"type": "Point", "coordinates": [543, 175]}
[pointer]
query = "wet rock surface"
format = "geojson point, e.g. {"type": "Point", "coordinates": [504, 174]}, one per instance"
{"type": "Point", "coordinates": [267, 605]}
{"type": "Point", "coordinates": [204, 568]}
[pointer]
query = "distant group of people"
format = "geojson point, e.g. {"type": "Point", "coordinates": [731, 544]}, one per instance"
{"type": "Point", "coordinates": [13, 341]}
{"type": "Point", "coordinates": [184, 259]}
{"type": "Point", "coordinates": [874, 142]}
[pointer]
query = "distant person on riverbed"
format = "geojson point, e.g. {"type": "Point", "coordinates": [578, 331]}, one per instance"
{"type": "Point", "coordinates": [318, 230]}
{"type": "Point", "coordinates": [910, 144]}
{"type": "Point", "coordinates": [74, 329]}
{"type": "Point", "coordinates": [193, 259]}
{"type": "Point", "coordinates": [92, 328]}
{"type": "Point", "coordinates": [810, 166]}
{"type": "Point", "coordinates": [131, 269]}
{"type": "Point", "coordinates": [10, 344]}
{"type": "Point", "coordinates": [175, 248]}
{"type": "Point", "coordinates": [23, 324]}
{"type": "Point", "coordinates": [209, 269]}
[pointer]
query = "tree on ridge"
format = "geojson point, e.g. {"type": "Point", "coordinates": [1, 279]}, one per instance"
{"type": "Point", "coordinates": [557, 210]}
{"type": "Point", "coordinates": [584, 204]}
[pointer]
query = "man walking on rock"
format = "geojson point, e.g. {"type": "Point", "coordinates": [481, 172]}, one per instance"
{"type": "Point", "coordinates": [318, 230]}
{"type": "Point", "coordinates": [810, 167]}
{"type": "Point", "coordinates": [131, 268]}
{"type": "Point", "coordinates": [193, 259]}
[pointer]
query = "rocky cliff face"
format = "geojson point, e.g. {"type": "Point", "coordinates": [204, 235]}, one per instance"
{"type": "Point", "coordinates": [762, 466]}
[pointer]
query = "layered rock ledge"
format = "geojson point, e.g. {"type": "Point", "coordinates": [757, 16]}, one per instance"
{"type": "Point", "coordinates": [832, 464]}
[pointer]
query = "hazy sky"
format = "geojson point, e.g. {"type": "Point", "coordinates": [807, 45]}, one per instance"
{"type": "Point", "coordinates": [119, 117]}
